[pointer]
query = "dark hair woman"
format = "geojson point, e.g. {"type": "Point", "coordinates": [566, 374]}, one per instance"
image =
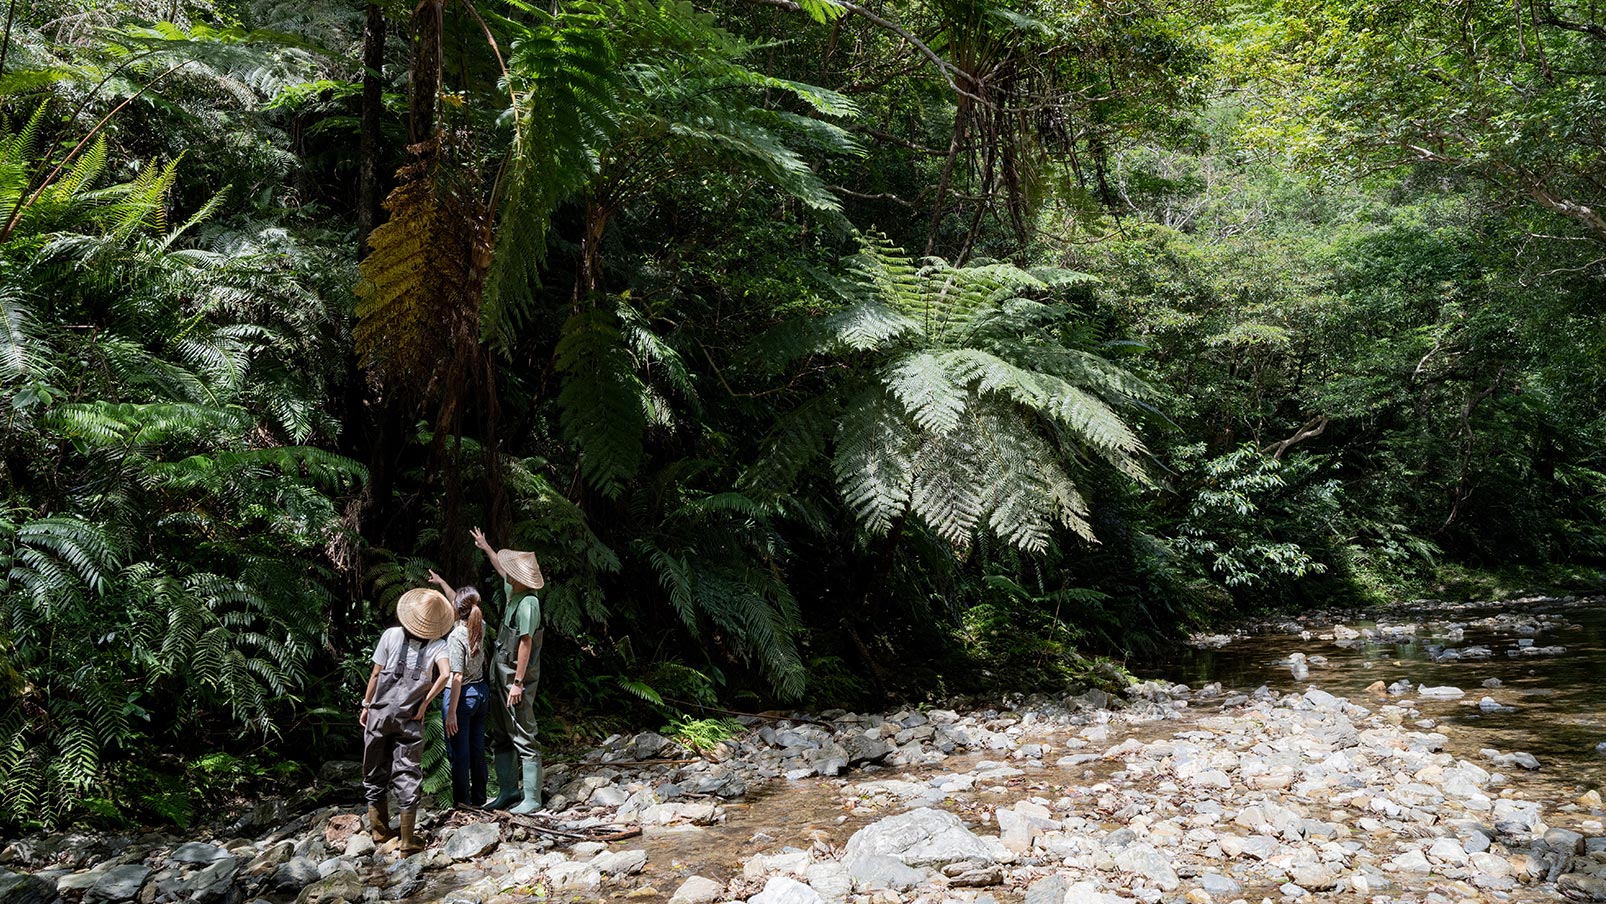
{"type": "Point", "coordinates": [465, 706]}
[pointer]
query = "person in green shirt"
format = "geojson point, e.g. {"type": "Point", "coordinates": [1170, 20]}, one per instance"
{"type": "Point", "coordinates": [517, 662]}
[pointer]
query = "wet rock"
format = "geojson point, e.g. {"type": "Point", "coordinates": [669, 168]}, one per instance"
{"type": "Point", "coordinates": [1515, 758]}
{"type": "Point", "coordinates": [118, 883]}
{"type": "Point", "coordinates": [473, 840]}
{"type": "Point", "coordinates": [698, 890]}
{"type": "Point", "coordinates": [1441, 693]}
{"type": "Point", "coordinates": [785, 890]}
{"type": "Point", "coordinates": [650, 745]}
{"type": "Point", "coordinates": [336, 888]}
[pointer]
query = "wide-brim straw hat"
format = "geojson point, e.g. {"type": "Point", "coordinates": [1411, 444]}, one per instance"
{"type": "Point", "coordinates": [521, 567]}
{"type": "Point", "coordinates": [426, 613]}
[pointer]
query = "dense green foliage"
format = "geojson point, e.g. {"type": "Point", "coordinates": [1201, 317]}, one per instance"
{"type": "Point", "coordinates": [823, 352]}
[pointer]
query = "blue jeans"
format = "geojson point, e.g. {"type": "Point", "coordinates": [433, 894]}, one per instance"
{"type": "Point", "coordinates": [466, 749]}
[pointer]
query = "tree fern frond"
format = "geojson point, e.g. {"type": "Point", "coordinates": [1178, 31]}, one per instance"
{"type": "Point", "coordinates": [874, 461]}
{"type": "Point", "coordinates": [601, 399]}
{"type": "Point", "coordinates": [797, 439]}
{"type": "Point", "coordinates": [928, 393]}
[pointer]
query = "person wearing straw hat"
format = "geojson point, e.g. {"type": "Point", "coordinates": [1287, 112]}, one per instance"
{"type": "Point", "coordinates": [410, 668]}
{"type": "Point", "coordinates": [518, 668]}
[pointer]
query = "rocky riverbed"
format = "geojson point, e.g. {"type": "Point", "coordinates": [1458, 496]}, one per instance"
{"type": "Point", "coordinates": [1164, 793]}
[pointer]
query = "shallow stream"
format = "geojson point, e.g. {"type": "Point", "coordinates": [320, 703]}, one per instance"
{"type": "Point", "coordinates": [1557, 701]}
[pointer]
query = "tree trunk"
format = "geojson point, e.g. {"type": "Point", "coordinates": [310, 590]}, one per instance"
{"type": "Point", "coordinates": [426, 70]}
{"type": "Point", "coordinates": [373, 60]}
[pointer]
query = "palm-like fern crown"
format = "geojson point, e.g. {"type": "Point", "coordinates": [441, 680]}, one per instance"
{"type": "Point", "coordinates": [614, 98]}
{"type": "Point", "coordinates": [976, 404]}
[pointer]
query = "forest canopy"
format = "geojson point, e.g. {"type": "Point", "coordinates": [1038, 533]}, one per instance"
{"type": "Point", "coordinates": [822, 351]}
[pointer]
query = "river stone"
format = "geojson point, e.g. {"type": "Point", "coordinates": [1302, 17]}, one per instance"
{"type": "Point", "coordinates": [198, 852]}
{"type": "Point", "coordinates": [474, 840]}
{"type": "Point", "coordinates": [792, 862]}
{"type": "Point", "coordinates": [359, 845]}
{"type": "Point", "coordinates": [862, 749]}
{"type": "Point", "coordinates": [786, 890]}
{"type": "Point", "coordinates": [1441, 693]}
{"type": "Point", "coordinates": [1446, 850]}
{"type": "Point", "coordinates": [1218, 886]}
{"type": "Point", "coordinates": [574, 877]}
{"type": "Point", "coordinates": [1412, 862]}
{"type": "Point", "coordinates": [1565, 841]}
{"type": "Point", "coordinates": [619, 863]}
{"type": "Point", "coordinates": [1581, 887]}
{"type": "Point", "coordinates": [211, 885]}
{"type": "Point", "coordinates": [271, 859]}
{"type": "Point", "coordinates": [1145, 861]}
{"type": "Point", "coordinates": [831, 880]}
{"type": "Point", "coordinates": [1314, 876]}
{"type": "Point", "coordinates": [340, 886]}
{"type": "Point", "coordinates": [698, 890]}
{"type": "Point", "coordinates": [295, 874]}
{"type": "Point", "coordinates": [1048, 890]}
{"type": "Point", "coordinates": [403, 878]}
{"type": "Point", "coordinates": [883, 871]}
{"type": "Point", "coordinates": [20, 888]}
{"type": "Point", "coordinates": [923, 837]}
{"type": "Point", "coordinates": [119, 883]}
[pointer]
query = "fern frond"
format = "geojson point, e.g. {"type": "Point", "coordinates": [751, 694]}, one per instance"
{"type": "Point", "coordinates": [601, 399]}
{"type": "Point", "coordinates": [875, 459]}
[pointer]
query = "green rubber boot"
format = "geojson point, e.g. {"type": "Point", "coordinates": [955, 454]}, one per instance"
{"type": "Point", "coordinates": [507, 782]}
{"type": "Point", "coordinates": [532, 786]}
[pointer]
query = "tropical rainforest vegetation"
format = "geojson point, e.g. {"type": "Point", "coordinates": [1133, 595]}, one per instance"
{"type": "Point", "coordinates": [823, 351]}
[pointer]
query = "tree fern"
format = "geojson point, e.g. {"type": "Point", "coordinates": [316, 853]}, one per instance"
{"type": "Point", "coordinates": [602, 399]}
{"type": "Point", "coordinates": [979, 407]}
{"type": "Point", "coordinates": [421, 282]}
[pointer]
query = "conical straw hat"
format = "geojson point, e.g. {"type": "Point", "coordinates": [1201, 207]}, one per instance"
{"type": "Point", "coordinates": [521, 567]}
{"type": "Point", "coordinates": [425, 613]}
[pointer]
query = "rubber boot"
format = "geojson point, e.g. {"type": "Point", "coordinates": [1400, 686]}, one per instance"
{"type": "Point", "coordinates": [532, 786]}
{"type": "Point", "coordinates": [507, 782]}
{"type": "Point", "coordinates": [410, 844]}
{"type": "Point", "coordinates": [379, 823]}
